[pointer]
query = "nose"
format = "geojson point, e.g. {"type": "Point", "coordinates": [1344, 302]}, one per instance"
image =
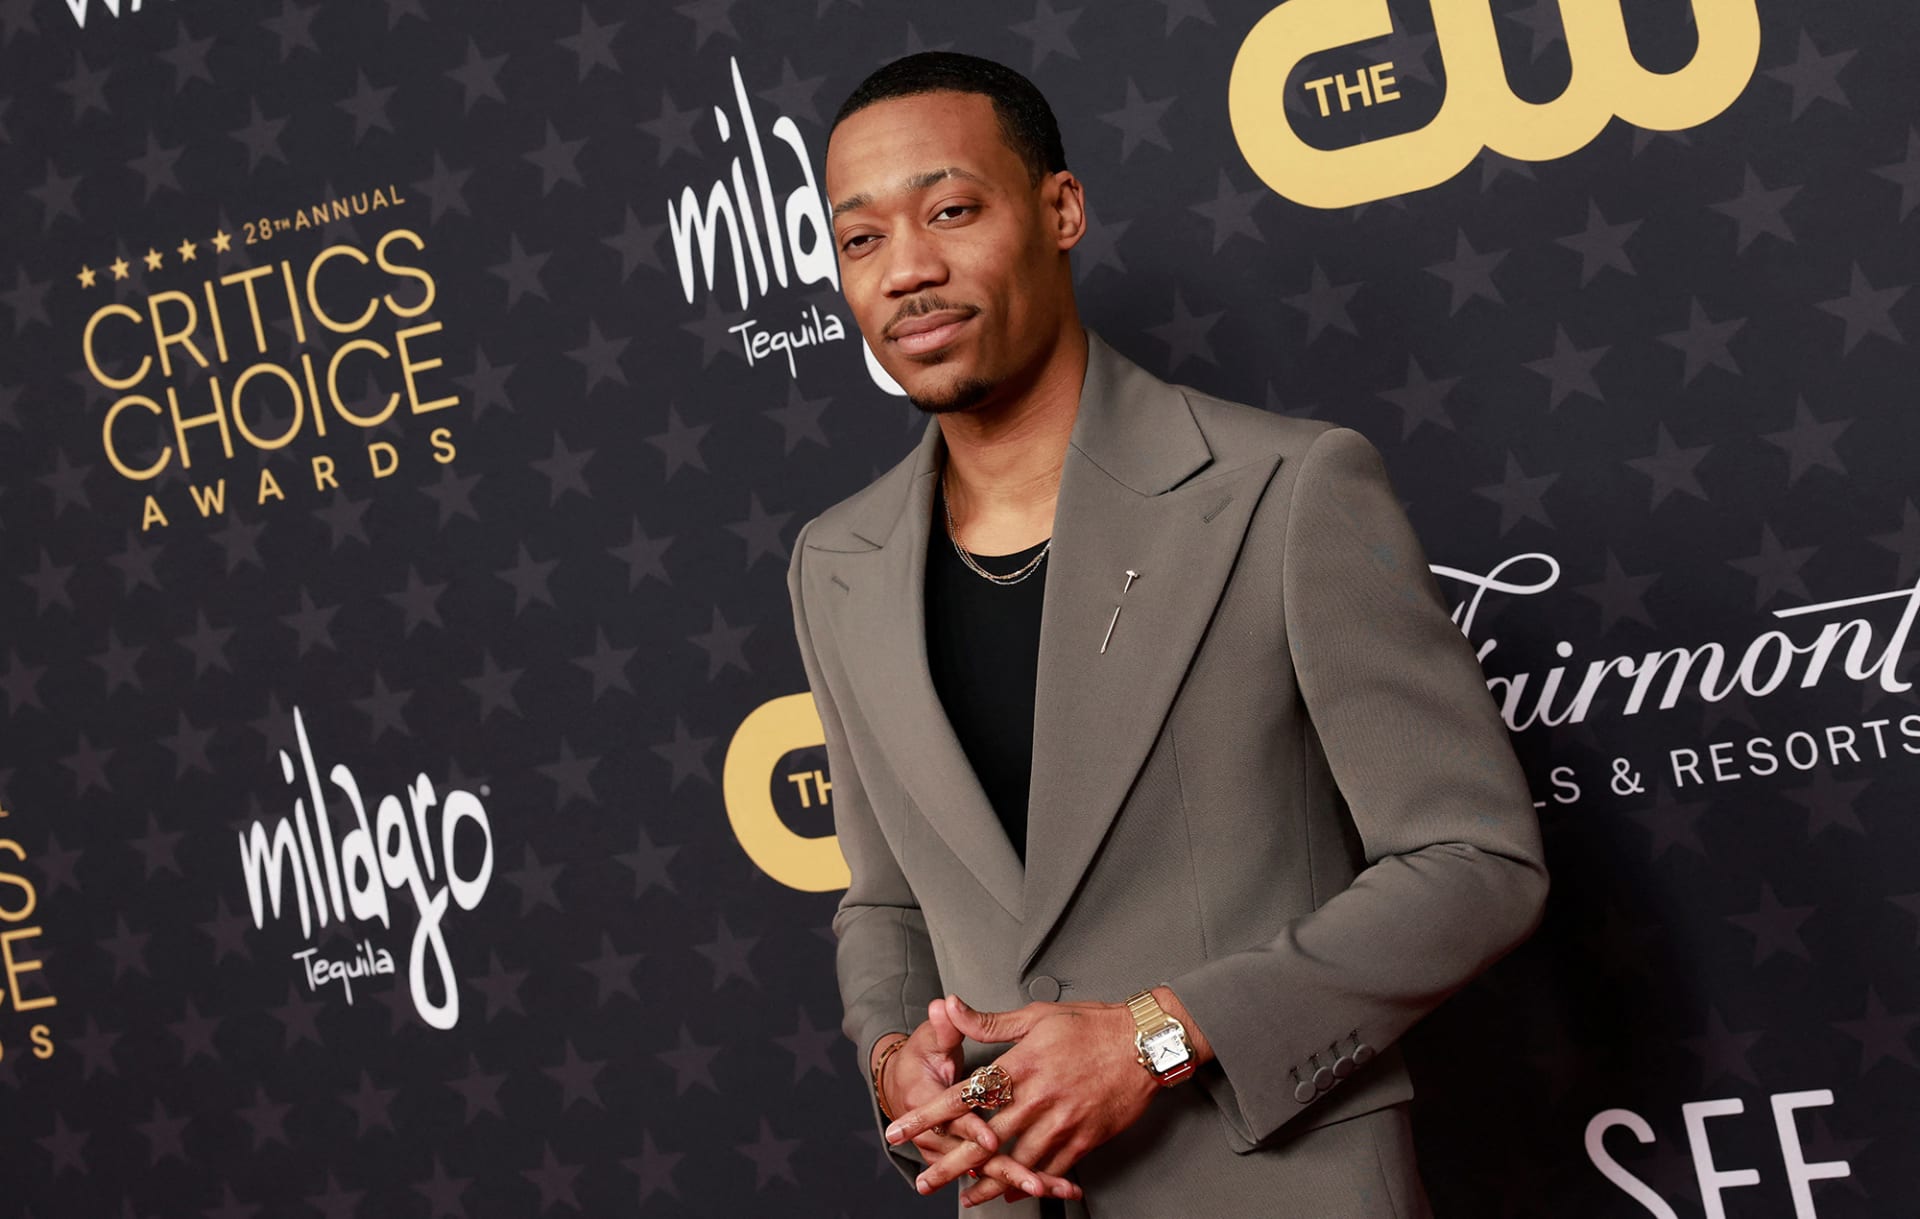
{"type": "Point", "coordinates": [914, 263]}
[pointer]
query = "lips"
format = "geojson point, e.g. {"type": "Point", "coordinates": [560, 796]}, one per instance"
{"type": "Point", "coordinates": [930, 331]}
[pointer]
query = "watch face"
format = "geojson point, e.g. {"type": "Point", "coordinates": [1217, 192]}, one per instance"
{"type": "Point", "coordinates": [1166, 1049]}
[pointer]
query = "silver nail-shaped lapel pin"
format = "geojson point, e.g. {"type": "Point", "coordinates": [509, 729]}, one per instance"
{"type": "Point", "coordinates": [1132, 575]}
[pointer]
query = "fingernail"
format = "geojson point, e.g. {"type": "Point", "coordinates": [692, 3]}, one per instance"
{"type": "Point", "coordinates": [920, 1184]}
{"type": "Point", "coordinates": [893, 1133]}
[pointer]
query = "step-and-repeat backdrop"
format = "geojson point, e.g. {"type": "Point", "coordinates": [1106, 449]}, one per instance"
{"type": "Point", "coordinates": [412, 804]}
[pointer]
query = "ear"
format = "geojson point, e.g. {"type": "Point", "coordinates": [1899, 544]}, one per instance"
{"type": "Point", "coordinates": [1066, 203]}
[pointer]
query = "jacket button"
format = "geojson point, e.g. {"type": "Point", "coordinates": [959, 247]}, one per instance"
{"type": "Point", "coordinates": [1043, 989]}
{"type": "Point", "coordinates": [1304, 1092]}
{"type": "Point", "coordinates": [1362, 1054]}
{"type": "Point", "coordinates": [1323, 1079]}
{"type": "Point", "coordinates": [1342, 1067]}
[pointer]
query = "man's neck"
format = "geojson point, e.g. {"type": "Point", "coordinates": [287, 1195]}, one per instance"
{"type": "Point", "coordinates": [1003, 462]}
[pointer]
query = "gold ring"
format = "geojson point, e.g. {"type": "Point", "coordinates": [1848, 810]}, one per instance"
{"type": "Point", "coordinates": [990, 1087]}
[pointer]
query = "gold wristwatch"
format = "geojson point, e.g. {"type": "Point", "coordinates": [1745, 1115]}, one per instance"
{"type": "Point", "coordinates": [1160, 1039]}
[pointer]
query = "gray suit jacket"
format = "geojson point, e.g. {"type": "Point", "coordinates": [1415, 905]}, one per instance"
{"type": "Point", "coordinates": [1283, 790]}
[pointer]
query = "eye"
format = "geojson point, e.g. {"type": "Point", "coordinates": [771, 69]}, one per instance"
{"type": "Point", "coordinates": [854, 242]}
{"type": "Point", "coordinates": [955, 208]}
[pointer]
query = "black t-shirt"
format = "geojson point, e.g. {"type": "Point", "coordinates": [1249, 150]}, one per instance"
{"type": "Point", "coordinates": [983, 647]}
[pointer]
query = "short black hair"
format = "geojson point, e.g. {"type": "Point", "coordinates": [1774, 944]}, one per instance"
{"type": "Point", "coordinates": [1026, 121]}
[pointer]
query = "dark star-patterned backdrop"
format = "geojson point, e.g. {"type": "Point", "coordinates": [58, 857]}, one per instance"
{"type": "Point", "coordinates": [407, 408]}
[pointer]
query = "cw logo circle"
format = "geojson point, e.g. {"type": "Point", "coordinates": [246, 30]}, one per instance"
{"type": "Point", "coordinates": [769, 733]}
{"type": "Point", "coordinates": [1479, 110]}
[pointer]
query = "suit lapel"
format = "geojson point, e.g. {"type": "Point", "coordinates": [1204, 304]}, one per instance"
{"type": "Point", "coordinates": [885, 623]}
{"type": "Point", "coordinates": [1140, 490]}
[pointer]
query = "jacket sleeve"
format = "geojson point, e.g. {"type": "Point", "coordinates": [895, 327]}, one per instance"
{"type": "Point", "coordinates": [884, 958]}
{"type": "Point", "coordinates": [1454, 877]}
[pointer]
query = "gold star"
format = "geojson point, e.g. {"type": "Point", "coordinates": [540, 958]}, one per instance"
{"type": "Point", "coordinates": [221, 241]}
{"type": "Point", "coordinates": [86, 281]}
{"type": "Point", "coordinates": [187, 249]}
{"type": "Point", "coordinates": [119, 266]}
{"type": "Point", "coordinates": [153, 259]}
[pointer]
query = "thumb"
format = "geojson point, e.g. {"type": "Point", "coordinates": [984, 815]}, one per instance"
{"type": "Point", "coordinates": [946, 1038]}
{"type": "Point", "coordinates": [988, 1026]}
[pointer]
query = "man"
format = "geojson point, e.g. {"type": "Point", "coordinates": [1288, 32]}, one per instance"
{"type": "Point", "coordinates": [1266, 815]}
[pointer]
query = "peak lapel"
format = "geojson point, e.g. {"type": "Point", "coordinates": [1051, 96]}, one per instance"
{"type": "Point", "coordinates": [1138, 491]}
{"type": "Point", "coordinates": [885, 621]}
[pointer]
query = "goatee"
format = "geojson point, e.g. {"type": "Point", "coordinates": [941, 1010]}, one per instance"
{"type": "Point", "coordinates": [964, 396]}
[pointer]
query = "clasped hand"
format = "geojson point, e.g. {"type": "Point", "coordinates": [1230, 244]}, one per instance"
{"type": "Point", "coordinates": [1076, 1084]}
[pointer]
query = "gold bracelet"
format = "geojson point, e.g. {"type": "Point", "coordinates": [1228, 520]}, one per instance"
{"type": "Point", "coordinates": [879, 1072]}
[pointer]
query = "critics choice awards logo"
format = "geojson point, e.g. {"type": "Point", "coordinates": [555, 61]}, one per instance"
{"type": "Point", "coordinates": [415, 850]}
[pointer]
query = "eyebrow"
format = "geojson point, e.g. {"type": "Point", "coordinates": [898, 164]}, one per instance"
{"type": "Point", "coordinates": [915, 182]}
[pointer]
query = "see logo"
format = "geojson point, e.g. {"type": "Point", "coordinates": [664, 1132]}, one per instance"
{"type": "Point", "coordinates": [1480, 110]}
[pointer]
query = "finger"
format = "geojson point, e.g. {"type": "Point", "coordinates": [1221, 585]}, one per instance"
{"type": "Point", "coordinates": [945, 1108]}
{"type": "Point", "coordinates": [963, 1158]}
{"type": "Point", "coordinates": [974, 1128]}
{"type": "Point", "coordinates": [1003, 1175]}
{"type": "Point", "coordinates": [1050, 1161]}
{"type": "Point", "coordinates": [993, 1026]}
{"type": "Point", "coordinates": [946, 1038]}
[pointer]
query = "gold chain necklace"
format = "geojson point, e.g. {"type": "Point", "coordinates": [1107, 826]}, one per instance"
{"type": "Point", "coordinates": [953, 535]}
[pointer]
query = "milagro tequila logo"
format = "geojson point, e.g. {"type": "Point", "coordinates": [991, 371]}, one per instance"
{"type": "Point", "coordinates": [405, 850]}
{"type": "Point", "coordinates": [784, 242]}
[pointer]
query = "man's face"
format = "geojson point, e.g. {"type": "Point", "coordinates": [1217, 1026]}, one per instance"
{"type": "Point", "coordinates": [949, 253]}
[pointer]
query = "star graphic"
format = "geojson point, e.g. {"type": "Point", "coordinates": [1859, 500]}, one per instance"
{"type": "Point", "coordinates": [1903, 542]}
{"type": "Point", "coordinates": [1099, 246]}
{"type": "Point", "coordinates": [442, 1192]}
{"type": "Point", "coordinates": [570, 777]}
{"type": "Point", "coordinates": [96, 1050]}
{"type": "Point", "coordinates": [119, 663]}
{"type": "Point", "coordinates": [576, 1075]}
{"type": "Point", "coordinates": [1569, 370]}
{"type": "Point", "coordinates": [1723, 1052]}
{"type": "Point", "coordinates": [679, 444]}
{"type": "Point", "coordinates": [230, 1206]}
{"type": "Point", "coordinates": [156, 167]}
{"type": "Point", "coordinates": [637, 243]}
{"type": "Point", "coordinates": [554, 1179]}
{"type": "Point", "coordinates": [592, 47]}
{"type": "Point", "coordinates": [187, 57]}
{"type": "Point", "coordinates": [494, 687]}
{"type": "Point", "coordinates": [1775, 568]}
{"type": "Point", "coordinates": [89, 766]}
{"type": "Point", "coordinates": [335, 1202]}
{"type": "Point", "coordinates": [86, 277]}
{"type": "Point", "coordinates": [728, 954]}
{"type": "Point", "coordinates": [565, 471]}
{"type": "Point", "coordinates": [761, 531]}
{"type": "Point", "coordinates": [1421, 399]}
{"type": "Point", "coordinates": [1704, 342]}
{"type": "Point", "coordinates": [1325, 304]}
{"type": "Point", "coordinates": [810, 1046]}
{"type": "Point", "coordinates": [55, 195]}
{"type": "Point", "coordinates": [261, 136]}
{"type": "Point", "coordinates": [1185, 334]}
{"type": "Point", "coordinates": [535, 881]}
{"type": "Point", "coordinates": [600, 356]}
{"type": "Point", "coordinates": [479, 1089]}
{"type": "Point", "coordinates": [293, 27]}
{"type": "Point", "coordinates": [1866, 310]}
{"type": "Point", "coordinates": [195, 1033]}
{"type": "Point", "coordinates": [1881, 1034]}
{"type": "Point", "coordinates": [650, 863]}
{"type": "Point", "coordinates": [692, 1064]}
{"type": "Point", "coordinates": [501, 986]}
{"type": "Point", "coordinates": [1180, 11]}
{"type": "Point", "coordinates": [228, 932]}
{"type": "Point", "coordinates": [165, 1135]}
{"type": "Point", "coordinates": [1469, 273]}
{"type": "Point", "coordinates": [1519, 496]}
{"type": "Point", "coordinates": [793, 96]}
{"type": "Point", "coordinates": [715, 331]}
{"type": "Point", "coordinates": [1809, 443]}
{"type": "Point", "coordinates": [1774, 927]}
{"type": "Point", "coordinates": [454, 496]}
{"type": "Point", "coordinates": [299, 1018]}
{"type": "Point", "coordinates": [368, 107]}
{"type": "Point", "coordinates": [799, 419]}
{"type": "Point", "coordinates": [1671, 825]}
{"type": "Point", "coordinates": [529, 578]}
{"type": "Point", "coordinates": [1812, 76]}
{"type": "Point", "coordinates": [1139, 123]}
{"type": "Point", "coordinates": [772, 1157]}
{"type": "Point", "coordinates": [1829, 802]}
{"type": "Point", "coordinates": [558, 160]}
{"type": "Point", "coordinates": [1619, 596]}
{"type": "Point", "coordinates": [86, 88]}
{"type": "Point", "coordinates": [28, 302]}
{"type": "Point", "coordinates": [723, 645]}
{"type": "Point", "coordinates": [612, 972]}
{"type": "Point", "coordinates": [654, 1167]}
{"type": "Point", "coordinates": [1601, 245]}
{"type": "Point", "coordinates": [372, 1107]}
{"type": "Point", "coordinates": [1231, 212]}
{"type": "Point", "coordinates": [1047, 31]}
{"type": "Point", "coordinates": [1757, 210]}
{"type": "Point", "coordinates": [312, 623]}
{"type": "Point", "coordinates": [644, 556]}
{"type": "Point", "coordinates": [1905, 174]}
{"type": "Point", "coordinates": [1541, 19]}
{"type": "Point", "coordinates": [608, 665]}
{"type": "Point", "coordinates": [672, 129]}
{"type": "Point", "coordinates": [187, 250]}
{"type": "Point", "coordinates": [267, 1118]}
{"type": "Point", "coordinates": [64, 1145]}
{"type": "Point", "coordinates": [419, 602]}
{"type": "Point", "coordinates": [486, 385]}
{"type": "Point", "coordinates": [158, 846]}
{"type": "Point", "coordinates": [478, 77]}
{"type": "Point", "coordinates": [521, 271]}
{"type": "Point", "coordinates": [1671, 467]}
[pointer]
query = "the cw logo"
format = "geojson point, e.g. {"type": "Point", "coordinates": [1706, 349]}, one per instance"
{"type": "Point", "coordinates": [773, 730]}
{"type": "Point", "coordinates": [1479, 109]}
